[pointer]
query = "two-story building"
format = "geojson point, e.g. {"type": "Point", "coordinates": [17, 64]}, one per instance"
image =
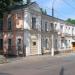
{"type": "Point", "coordinates": [65, 33]}
{"type": "Point", "coordinates": [21, 29]}
{"type": "Point", "coordinates": [27, 30]}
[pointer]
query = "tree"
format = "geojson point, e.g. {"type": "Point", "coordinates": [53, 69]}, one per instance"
{"type": "Point", "coordinates": [72, 21]}
{"type": "Point", "coordinates": [4, 4]}
{"type": "Point", "coordinates": [43, 11]}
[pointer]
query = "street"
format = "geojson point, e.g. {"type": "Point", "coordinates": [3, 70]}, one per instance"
{"type": "Point", "coordinates": [41, 65]}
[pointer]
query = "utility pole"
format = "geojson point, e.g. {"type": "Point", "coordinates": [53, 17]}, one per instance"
{"type": "Point", "coordinates": [52, 49]}
{"type": "Point", "coordinates": [52, 12]}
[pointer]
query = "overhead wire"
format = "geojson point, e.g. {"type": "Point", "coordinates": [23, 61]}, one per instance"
{"type": "Point", "coordinates": [56, 11]}
{"type": "Point", "coordinates": [68, 4]}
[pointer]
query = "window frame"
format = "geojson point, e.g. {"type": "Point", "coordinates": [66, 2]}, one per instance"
{"type": "Point", "coordinates": [10, 23]}
{"type": "Point", "coordinates": [33, 22]}
{"type": "Point", "coordinates": [46, 25]}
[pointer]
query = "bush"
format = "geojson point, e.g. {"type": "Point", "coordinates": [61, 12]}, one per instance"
{"type": "Point", "coordinates": [2, 59]}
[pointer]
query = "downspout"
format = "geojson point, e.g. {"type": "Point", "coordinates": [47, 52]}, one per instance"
{"type": "Point", "coordinates": [24, 46]}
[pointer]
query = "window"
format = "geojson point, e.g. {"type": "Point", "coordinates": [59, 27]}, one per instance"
{"type": "Point", "coordinates": [1, 43]}
{"type": "Point", "coordinates": [9, 42]}
{"type": "Point", "coordinates": [52, 26]}
{"type": "Point", "coordinates": [41, 26]}
{"type": "Point", "coordinates": [46, 43]}
{"type": "Point", "coordinates": [19, 44]}
{"type": "Point", "coordinates": [72, 29]}
{"type": "Point", "coordinates": [9, 24]}
{"type": "Point", "coordinates": [45, 26]}
{"type": "Point", "coordinates": [1, 25]}
{"type": "Point", "coordinates": [34, 43]}
{"type": "Point", "coordinates": [55, 26]}
{"type": "Point", "coordinates": [61, 27]}
{"type": "Point", "coordinates": [66, 43]}
{"type": "Point", "coordinates": [33, 22]}
{"type": "Point", "coordinates": [69, 41]}
{"type": "Point", "coordinates": [19, 41]}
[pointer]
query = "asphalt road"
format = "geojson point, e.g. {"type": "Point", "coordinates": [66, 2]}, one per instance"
{"type": "Point", "coordinates": [41, 65]}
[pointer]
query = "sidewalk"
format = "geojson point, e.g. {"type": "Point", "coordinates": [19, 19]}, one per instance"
{"type": "Point", "coordinates": [36, 58]}
{"type": "Point", "coordinates": [39, 57]}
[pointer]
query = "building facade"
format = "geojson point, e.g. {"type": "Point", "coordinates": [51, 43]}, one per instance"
{"type": "Point", "coordinates": [26, 30]}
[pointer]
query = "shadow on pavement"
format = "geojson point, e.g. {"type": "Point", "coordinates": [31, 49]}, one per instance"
{"type": "Point", "coordinates": [5, 74]}
{"type": "Point", "coordinates": [61, 71]}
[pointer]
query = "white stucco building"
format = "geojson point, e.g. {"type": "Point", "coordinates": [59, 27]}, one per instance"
{"type": "Point", "coordinates": [34, 31]}
{"type": "Point", "coordinates": [40, 33]}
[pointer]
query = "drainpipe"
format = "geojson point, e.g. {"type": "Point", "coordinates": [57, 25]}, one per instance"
{"type": "Point", "coordinates": [24, 46]}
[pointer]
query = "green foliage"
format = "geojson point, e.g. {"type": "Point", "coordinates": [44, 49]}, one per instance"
{"type": "Point", "coordinates": [43, 11]}
{"type": "Point", "coordinates": [72, 21]}
{"type": "Point", "coordinates": [4, 4]}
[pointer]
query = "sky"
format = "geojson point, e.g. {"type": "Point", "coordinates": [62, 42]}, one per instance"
{"type": "Point", "coordinates": [63, 9]}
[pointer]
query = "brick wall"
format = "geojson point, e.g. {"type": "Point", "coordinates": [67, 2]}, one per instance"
{"type": "Point", "coordinates": [14, 31]}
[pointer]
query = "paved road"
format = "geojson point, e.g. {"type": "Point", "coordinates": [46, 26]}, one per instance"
{"type": "Point", "coordinates": [41, 65]}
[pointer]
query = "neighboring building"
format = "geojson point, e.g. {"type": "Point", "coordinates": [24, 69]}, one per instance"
{"type": "Point", "coordinates": [27, 29]}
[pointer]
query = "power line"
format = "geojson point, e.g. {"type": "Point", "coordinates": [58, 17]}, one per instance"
{"type": "Point", "coordinates": [53, 1]}
{"type": "Point", "coordinates": [61, 14]}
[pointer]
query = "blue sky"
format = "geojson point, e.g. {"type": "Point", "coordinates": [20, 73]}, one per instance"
{"type": "Point", "coordinates": [62, 9]}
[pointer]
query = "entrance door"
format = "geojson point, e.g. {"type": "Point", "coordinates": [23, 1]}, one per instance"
{"type": "Point", "coordinates": [34, 47]}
